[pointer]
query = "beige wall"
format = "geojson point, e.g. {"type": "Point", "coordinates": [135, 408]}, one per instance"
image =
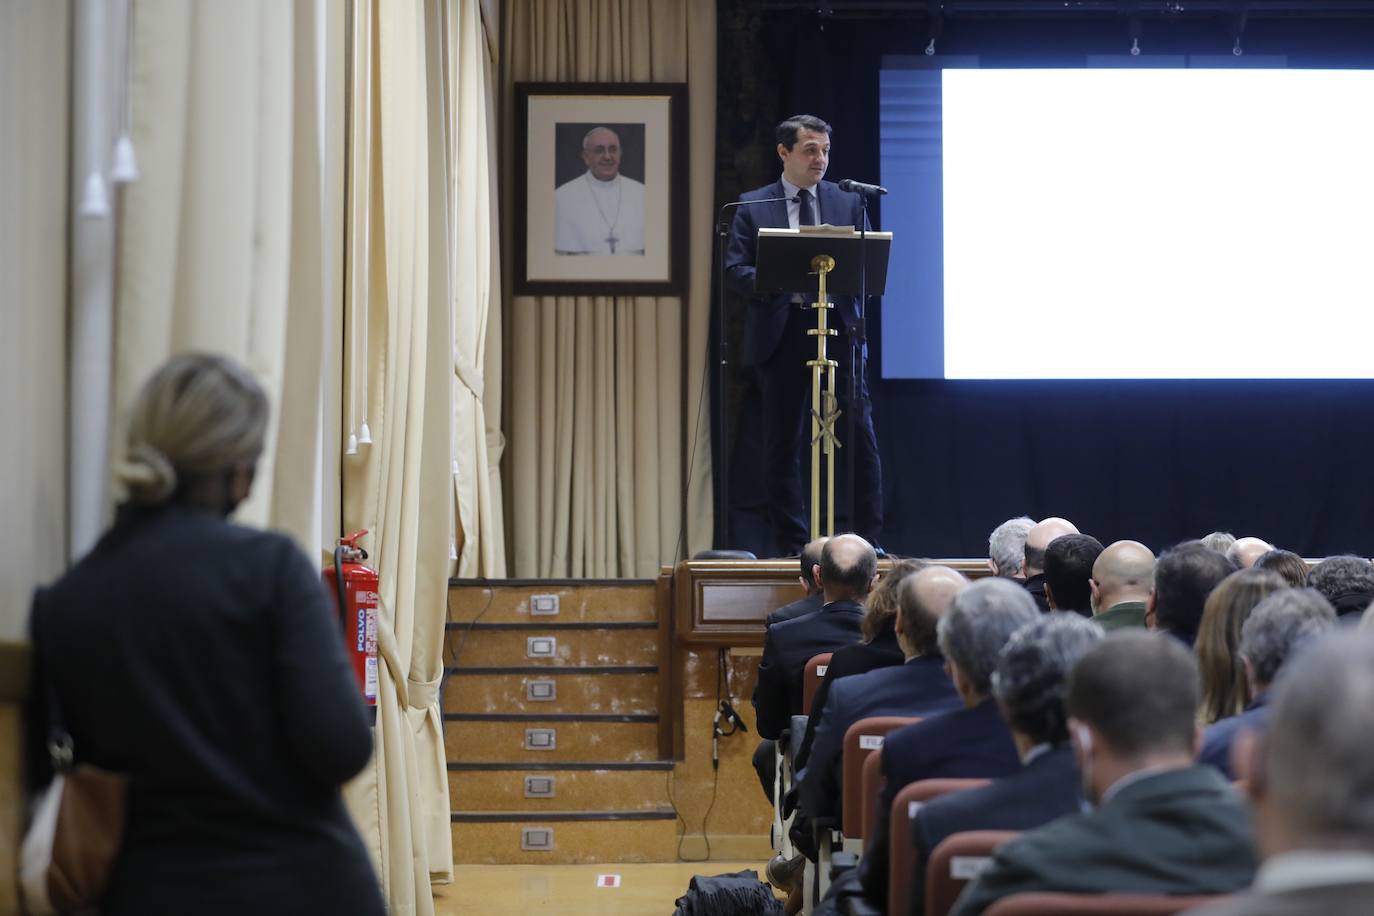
{"type": "Point", "coordinates": [34, 67]}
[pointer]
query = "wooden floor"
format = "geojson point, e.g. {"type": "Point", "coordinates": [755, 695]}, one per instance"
{"type": "Point", "coordinates": [564, 890]}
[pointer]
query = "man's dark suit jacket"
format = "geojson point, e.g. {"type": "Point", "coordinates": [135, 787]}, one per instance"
{"type": "Point", "coordinates": [919, 687]}
{"type": "Point", "coordinates": [1179, 831]}
{"type": "Point", "coordinates": [767, 314]}
{"type": "Point", "coordinates": [970, 743]}
{"type": "Point", "coordinates": [1044, 789]}
{"type": "Point", "coordinates": [808, 605]}
{"type": "Point", "coordinates": [787, 648]}
{"type": "Point", "coordinates": [1220, 735]}
{"type": "Point", "coordinates": [882, 652]}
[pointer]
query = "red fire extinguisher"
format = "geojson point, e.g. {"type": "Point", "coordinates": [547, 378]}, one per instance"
{"type": "Point", "coordinates": [353, 588]}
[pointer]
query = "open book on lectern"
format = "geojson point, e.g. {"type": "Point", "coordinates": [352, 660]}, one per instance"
{"type": "Point", "coordinates": [784, 259]}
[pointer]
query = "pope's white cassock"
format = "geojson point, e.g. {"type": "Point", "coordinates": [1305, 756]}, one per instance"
{"type": "Point", "coordinates": [599, 217]}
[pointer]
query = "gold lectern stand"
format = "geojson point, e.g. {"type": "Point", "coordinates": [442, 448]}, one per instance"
{"type": "Point", "coordinates": [787, 259]}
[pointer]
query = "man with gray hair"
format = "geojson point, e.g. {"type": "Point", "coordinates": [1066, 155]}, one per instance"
{"type": "Point", "coordinates": [1347, 582]}
{"type": "Point", "coordinates": [1310, 779]}
{"type": "Point", "coordinates": [972, 742]}
{"type": "Point", "coordinates": [1273, 633]}
{"type": "Point", "coordinates": [1029, 684]}
{"type": "Point", "coordinates": [1007, 547]}
{"type": "Point", "coordinates": [1161, 824]}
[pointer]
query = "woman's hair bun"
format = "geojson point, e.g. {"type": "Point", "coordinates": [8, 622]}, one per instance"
{"type": "Point", "coordinates": [147, 475]}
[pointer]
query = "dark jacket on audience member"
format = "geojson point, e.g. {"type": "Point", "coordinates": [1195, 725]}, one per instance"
{"type": "Point", "coordinates": [787, 647]}
{"type": "Point", "coordinates": [1036, 586]}
{"type": "Point", "coordinates": [203, 659]}
{"type": "Point", "coordinates": [882, 652]}
{"type": "Point", "coordinates": [1047, 787]}
{"type": "Point", "coordinates": [808, 605]}
{"type": "Point", "coordinates": [1179, 831]}
{"type": "Point", "coordinates": [1220, 735]}
{"type": "Point", "coordinates": [919, 687]}
{"type": "Point", "coordinates": [969, 743]}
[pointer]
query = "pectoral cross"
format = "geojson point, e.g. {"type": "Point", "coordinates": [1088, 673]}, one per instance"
{"type": "Point", "coordinates": [611, 240]}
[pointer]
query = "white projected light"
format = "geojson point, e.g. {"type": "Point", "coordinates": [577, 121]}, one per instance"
{"type": "Point", "coordinates": [1158, 223]}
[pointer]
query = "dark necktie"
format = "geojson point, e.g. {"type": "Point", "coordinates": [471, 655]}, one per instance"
{"type": "Point", "coordinates": [806, 214]}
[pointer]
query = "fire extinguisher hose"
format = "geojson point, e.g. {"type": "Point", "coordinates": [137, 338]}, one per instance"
{"type": "Point", "coordinates": [339, 584]}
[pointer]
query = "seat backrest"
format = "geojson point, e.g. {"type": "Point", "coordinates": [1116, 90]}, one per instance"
{"type": "Point", "coordinates": [1048, 904]}
{"type": "Point", "coordinates": [955, 862]}
{"type": "Point", "coordinates": [811, 679]}
{"type": "Point", "coordinates": [872, 787]}
{"type": "Point", "coordinates": [860, 741]}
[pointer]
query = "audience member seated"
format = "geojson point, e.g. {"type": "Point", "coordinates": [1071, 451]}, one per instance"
{"type": "Point", "coordinates": [1184, 576]}
{"type": "Point", "coordinates": [1245, 551]}
{"type": "Point", "coordinates": [1033, 563]}
{"type": "Point", "coordinates": [879, 648]}
{"type": "Point", "coordinates": [1069, 563]}
{"type": "Point", "coordinates": [1028, 684]}
{"type": "Point", "coordinates": [812, 599]}
{"type": "Point", "coordinates": [972, 742]}
{"type": "Point", "coordinates": [1311, 782]}
{"type": "Point", "coordinates": [1347, 582]}
{"type": "Point", "coordinates": [1007, 547]}
{"type": "Point", "coordinates": [1276, 629]}
{"type": "Point", "coordinates": [1225, 691]}
{"type": "Point", "coordinates": [1291, 567]}
{"type": "Point", "coordinates": [202, 660]}
{"type": "Point", "coordinates": [848, 568]}
{"type": "Point", "coordinates": [1161, 823]}
{"type": "Point", "coordinates": [918, 687]}
{"type": "Point", "coordinates": [1220, 541]}
{"type": "Point", "coordinates": [1123, 576]}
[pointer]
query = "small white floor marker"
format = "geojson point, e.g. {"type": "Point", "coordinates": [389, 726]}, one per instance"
{"type": "Point", "coordinates": [608, 881]}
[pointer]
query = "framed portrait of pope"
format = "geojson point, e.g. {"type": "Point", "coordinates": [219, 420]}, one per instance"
{"type": "Point", "coordinates": [601, 188]}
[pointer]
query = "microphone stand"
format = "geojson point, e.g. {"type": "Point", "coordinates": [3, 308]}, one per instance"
{"type": "Point", "coordinates": [723, 367]}
{"type": "Point", "coordinates": [858, 340]}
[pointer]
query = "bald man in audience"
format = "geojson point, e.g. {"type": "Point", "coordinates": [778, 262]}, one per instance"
{"type": "Point", "coordinates": [810, 579]}
{"type": "Point", "coordinates": [1245, 551]}
{"type": "Point", "coordinates": [1310, 779]}
{"type": "Point", "coordinates": [848, 569]}
{"type": "Point", "coordinates": [1033, 564]}
{"type": "Point", "coordinates": [1160, 823]}
{"type": "Point", "coordinates": [918, 687]}
{"type": "Point", "coordinates": [1122, 578]}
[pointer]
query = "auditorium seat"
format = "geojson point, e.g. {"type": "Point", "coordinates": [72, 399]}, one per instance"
{"type": "Point", "coordinates": [871, 787]}
{"type": "Point", "coordinates": [953, 863]}
{"type": "Point", "coordinates": [811, 679]}
{"type": "Point", "coordinates": [861, 740]}
{"type": "Point", "coordinates": [1050, 904]}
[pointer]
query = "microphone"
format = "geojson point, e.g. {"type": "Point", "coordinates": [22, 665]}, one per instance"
{"type": "Point", "coordinates": [748, 203]}
{"type": "Point", "coordinates": [859, 187]}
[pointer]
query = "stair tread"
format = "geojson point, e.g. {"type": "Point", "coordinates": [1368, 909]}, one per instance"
{"type": "Point", "coordinates": [629, 814]}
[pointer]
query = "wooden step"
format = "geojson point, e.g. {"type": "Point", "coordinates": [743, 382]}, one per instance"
{"type": "Point", "coordinates": [576, 790]}
{"type": "Point", "coordinates": [488, 647]}
{"type": "Point", "coordinates": [572, 692]}
{"type": "Point", "coordinates": [510, 600]}
{"type": "Point", "coordinates": [610, 837]}
{"type": "Point", "coordinates": [586, 740]}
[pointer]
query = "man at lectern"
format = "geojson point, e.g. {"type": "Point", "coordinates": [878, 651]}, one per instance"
{"type": "Point", "coordinates": [776, 344]}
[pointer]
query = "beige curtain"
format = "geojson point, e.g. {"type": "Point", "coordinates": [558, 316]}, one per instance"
{"type": "Point", "coordinates": [609, 420]}
{"type": "Point", "coordinates": [469, 39]}
{"type": "Point", "coordinates": [35, 57]}
{"type": "Point", "coordinates": [220, 241]}
{"type": "Point", "coordinates": [403, 221]}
